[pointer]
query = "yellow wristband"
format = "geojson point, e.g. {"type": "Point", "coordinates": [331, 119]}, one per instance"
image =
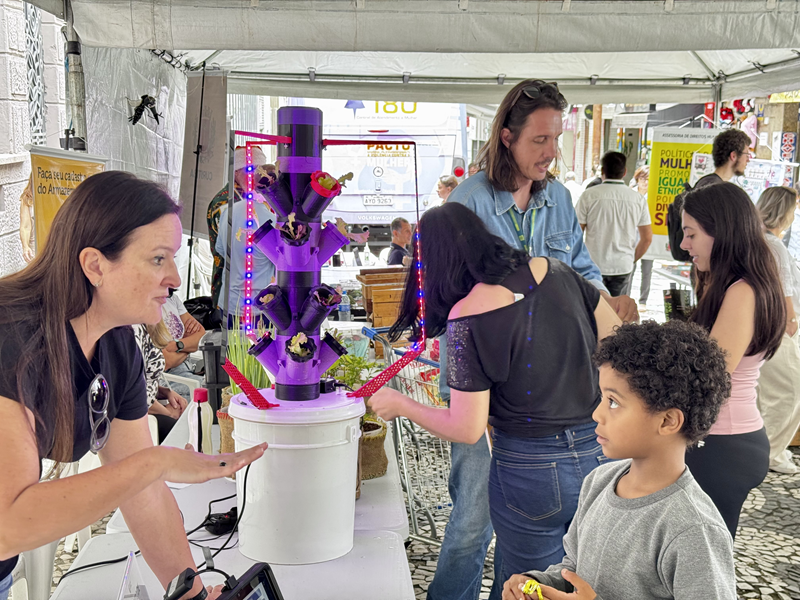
{"type": "Point", "coordinates": [532, 586]}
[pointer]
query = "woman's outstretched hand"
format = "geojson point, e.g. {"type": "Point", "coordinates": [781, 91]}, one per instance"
{"type": "Point", "coordinates": [188, 466]}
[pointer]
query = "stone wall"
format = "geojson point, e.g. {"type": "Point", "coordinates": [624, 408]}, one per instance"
{"type": "Point", "coordinates": [14, 131]}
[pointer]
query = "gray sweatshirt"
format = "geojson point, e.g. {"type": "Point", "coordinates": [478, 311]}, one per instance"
{"type": "Point", "coordinates": [671, 544]}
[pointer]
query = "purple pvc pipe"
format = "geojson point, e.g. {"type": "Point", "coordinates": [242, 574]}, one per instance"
{"type": "Point", "coordinates": [266, 352]}
{"type": "Point", "coordinates": [330, 240]}
{"type": "Point", "coordinates": [330, 352]}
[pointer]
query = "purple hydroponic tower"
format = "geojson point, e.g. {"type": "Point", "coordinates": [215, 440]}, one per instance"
{"type": "Point", "coordinates": [298, 244]}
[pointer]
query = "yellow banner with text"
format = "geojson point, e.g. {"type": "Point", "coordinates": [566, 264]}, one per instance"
{"type": "Point", "coordinates": [54, 178]}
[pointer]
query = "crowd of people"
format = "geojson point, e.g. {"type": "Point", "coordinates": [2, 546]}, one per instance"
{"type": "Point", "coordinates": [610, 458]}
{"type": "Point", "coordinates": [617, 457]}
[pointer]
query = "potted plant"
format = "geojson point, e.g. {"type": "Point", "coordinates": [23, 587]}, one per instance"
{"type": "Point", "coordinates": [354, 371]}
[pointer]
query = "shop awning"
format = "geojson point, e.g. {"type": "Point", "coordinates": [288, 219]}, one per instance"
{"type": "Point", "coordinates": [468, 50]}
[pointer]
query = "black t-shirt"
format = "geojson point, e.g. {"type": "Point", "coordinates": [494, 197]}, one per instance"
{"type": "Point", "coordinates": [534, 356]}
{"type": "Point", "coordinates": [397, 254]}
{"type": "Point", "coordinates": [117, 357]}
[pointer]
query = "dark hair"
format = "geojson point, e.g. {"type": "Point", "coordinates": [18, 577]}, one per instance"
{"type": "Point", "coordinates": [102, 213]}
{"type": "Point", "coordinates": [726, 213]}
{"type": "Point", "coordinates": [458, 252]}
{"type": "Point", "coordinates": [397, 224]}
{"type": "Point", "coordinates": [612, 164]}
{"type": "Point", "coordinates": [674, 365]}
{"type": "Point", "coordinates": [730, 140]}
{"type": "Point", "coordinates": [512, 114]}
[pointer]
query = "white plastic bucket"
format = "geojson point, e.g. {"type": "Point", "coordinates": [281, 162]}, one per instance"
{"type": "Point", "coordinates": [300, 503]}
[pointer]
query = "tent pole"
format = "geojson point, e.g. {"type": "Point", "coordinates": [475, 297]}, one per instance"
{"type": "Point", "coordinates": [75, 81]}
{"type": "Point", "coordinates": [717, 102]}
{"type": "Point", "coordinates": [197, 152]}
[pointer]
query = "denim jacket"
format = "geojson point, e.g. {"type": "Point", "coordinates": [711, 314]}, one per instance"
{"type": "Point", "coordinates": [556, 232]}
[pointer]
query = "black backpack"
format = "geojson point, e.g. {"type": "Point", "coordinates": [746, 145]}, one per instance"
{"type": "Point", "coordinates": [675, 226]}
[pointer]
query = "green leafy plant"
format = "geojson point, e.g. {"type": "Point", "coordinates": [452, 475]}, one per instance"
{"type": "Point", "coordinates": [238, 345]}
{"type": "Point", "coordinates": [353, 371]}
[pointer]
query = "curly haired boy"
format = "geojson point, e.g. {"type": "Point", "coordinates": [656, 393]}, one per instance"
{"type": "Point", "coordinates": [644, 528]}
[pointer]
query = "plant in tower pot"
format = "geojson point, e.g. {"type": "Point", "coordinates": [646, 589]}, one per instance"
{"type": "Point", "coordinates": [248, 365]}
{"type": "Point", "coordinates": [354, 371]}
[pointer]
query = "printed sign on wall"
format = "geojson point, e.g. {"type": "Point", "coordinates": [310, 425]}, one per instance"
{"type": "Point", "coordinates": [55, 174]}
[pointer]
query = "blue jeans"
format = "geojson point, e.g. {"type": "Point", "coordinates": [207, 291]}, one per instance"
{"type": "Point", "coordinates": [534, 486]}
{"type": "Point", "coordinates": [5, 587]}
{"type": "Point", "coordinates": [459, 570]}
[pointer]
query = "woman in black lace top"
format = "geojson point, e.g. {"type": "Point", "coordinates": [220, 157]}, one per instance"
{"type": "Point", "coordinates": [520, 337]}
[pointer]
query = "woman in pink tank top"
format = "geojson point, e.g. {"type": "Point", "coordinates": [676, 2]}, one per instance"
{"type": "Point", "coordinates": [740, 303]}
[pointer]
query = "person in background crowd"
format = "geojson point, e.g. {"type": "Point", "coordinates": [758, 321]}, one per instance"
{"type": "Point", "coordinates": [186, 333]}
{"type": "Point", "coordinates": [151, 339]}
{"type": "Point", "coordinates": [445, 187]}
{"type": "Point", "coordinates": [263, 269]}
{"type": "Point", "coordinates": [741, 303]}
{"type": "Point", "coordinates": [612, 214]}
{"type": "Point", "coordinates": [73, 379]}
{"type": "Point", "coordinates": [472, 169]}
{"type": "Point", "coordinates": [401, 237]}
{"type": "Point", "coordinates": [639, 182]}
{"type": "Point", "coordinates": [731, 153]}
{"type": "Point", "coordinates": [507, 316]}
{"type": "Point", "coordinates": [644, 528]}
{"type": "Point", "coordinates": [597, 179]}
{"type": "Point", "coordinates": [575, 189]}
{"type": "Point", "coordinates": [523, 204]}
{"type": "Point", "coordinates": [215, 209]}
{"type": "Point", "coordinates": [26, 221]}
{"type": "Point", "coordinates": [779, 384]}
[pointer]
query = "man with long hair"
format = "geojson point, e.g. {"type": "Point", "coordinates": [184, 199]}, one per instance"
{"type": "Point", "coordinates": [520, 201]}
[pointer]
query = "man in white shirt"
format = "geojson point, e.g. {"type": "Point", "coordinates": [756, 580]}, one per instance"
{"type": "Point", "coordinates": [575, 188]}
{"type": "Point", "coordinates": [610, 214]}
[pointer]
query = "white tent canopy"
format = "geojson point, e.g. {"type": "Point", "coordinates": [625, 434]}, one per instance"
{"type": "Point", "coordinates": [468, 51]}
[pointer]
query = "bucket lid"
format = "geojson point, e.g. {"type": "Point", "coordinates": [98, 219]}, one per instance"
{"type": "Point", "coordinates": [328, 408]}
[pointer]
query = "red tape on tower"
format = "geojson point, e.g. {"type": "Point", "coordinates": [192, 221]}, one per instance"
{"type": "Point", "coordinates": [382, 378]}
{"type": "Point", "coordinates": [248, 388]}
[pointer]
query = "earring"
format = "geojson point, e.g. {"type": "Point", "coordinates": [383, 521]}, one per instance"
{"type": "Point", "coordinates": [98, 283]}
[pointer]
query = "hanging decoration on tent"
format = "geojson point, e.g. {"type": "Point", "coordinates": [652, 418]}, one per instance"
{"type": "Point", "coordinates": [145, 103]}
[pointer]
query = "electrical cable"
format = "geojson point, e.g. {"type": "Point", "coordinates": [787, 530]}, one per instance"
{"type": "Point", "coordinates": [238, 518]}
{"type": "Point", "coordinates": [93, 565]}
{"type": "Point", "coordinates": [208, 514]}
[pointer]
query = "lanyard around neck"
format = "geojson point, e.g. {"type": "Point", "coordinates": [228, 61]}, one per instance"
{"type": "Point", "coordinates": [520, 235]}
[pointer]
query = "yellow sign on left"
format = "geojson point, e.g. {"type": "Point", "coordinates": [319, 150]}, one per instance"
{"type": "Point", "coordinates": [53, 178]}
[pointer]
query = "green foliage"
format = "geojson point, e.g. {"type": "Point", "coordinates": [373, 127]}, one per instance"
{"type": "Point", "coordinates": [353, 371]}
{"type": "Point", "coordinates": [238, 345]}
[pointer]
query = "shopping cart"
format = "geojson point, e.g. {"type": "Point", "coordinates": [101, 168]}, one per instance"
{"type": "Point", "coordinates": [423, 459]}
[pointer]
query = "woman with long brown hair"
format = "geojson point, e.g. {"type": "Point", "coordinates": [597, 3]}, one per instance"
{"type": "Point", "coordinates": [72, 378]}
{"type": "Point", "coordinates": [741, 304]}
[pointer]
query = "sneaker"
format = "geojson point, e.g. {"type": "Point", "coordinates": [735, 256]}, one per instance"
{"type": "Point", "coordinates": [786, 469]}
{"type": "Point", "coordinates": [642, 308]}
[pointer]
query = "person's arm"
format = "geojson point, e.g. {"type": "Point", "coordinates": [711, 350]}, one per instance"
{"type": "Point", "coordinates": [791, 317]}
{"type": "Point", "coordinates": [698, 561]}
{"type": "Point", "coordinates": [606, 318]}
{"type": "Point", "coordinates": [191, 341]}
{"type": "Point", "coordinates": [735, 325]}
{"type": "Point", "coordinates": [645, 239]}
{"type": "Point", "coordinates": [172, 358]}
{"type": "Point", "coordinates": [463, 422]}
{"type": "Point", "coordinates": [78, 501]}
